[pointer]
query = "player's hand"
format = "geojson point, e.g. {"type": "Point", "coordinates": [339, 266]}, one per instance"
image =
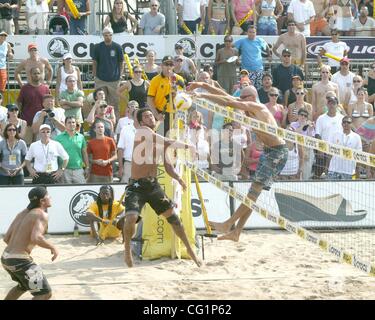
{"type": "Point", "coordinates": [194, 85]}
{"type": "Point", "coordinates": [54, 253]}
{"type": "Point", "coordinates": [182, 183]}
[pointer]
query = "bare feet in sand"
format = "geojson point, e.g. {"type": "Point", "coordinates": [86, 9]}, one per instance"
{"type": "Point", "coordinates": [233, 235]}
{"type": "Point", "coordinates": [220, 227]}
{"type": "Point", "coordinates": [128, 259]}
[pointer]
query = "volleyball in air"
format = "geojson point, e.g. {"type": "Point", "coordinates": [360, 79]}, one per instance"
{"type": "Point", "coordinates": [182, 101]}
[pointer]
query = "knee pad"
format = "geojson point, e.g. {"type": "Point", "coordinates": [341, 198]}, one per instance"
{"type": "Point", "coordinates": [174, 219]}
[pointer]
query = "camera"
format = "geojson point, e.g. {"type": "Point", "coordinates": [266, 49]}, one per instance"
{"type": "Point", "coordinates": [50, 113]}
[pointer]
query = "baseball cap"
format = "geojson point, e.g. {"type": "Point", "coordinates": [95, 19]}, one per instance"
{"type": "Point", "coordinates": [178, 46]}
{"type": "Point", "coordinates": [67, 56]}
{"type": "Point", "coordinates": [107, 30]}
{"type": "Point", "coordinates": [3, 33]}
{"type": "Point", "coordinates": [31, 46]}
{"type": "Point", "coordinates": [167, 58]}
{"type": "Point", "coordinates": [345, 59]}
{"type": "Point", "coordinates": [332, 98]}
{"type": "Point", "coordinates": [12, 107]}
{"type": "Point", "coordinates": [286, 51]}
{"type": "Point", "coordinates": [296, 76]}
{"type": "Point", "coordinates": [35, 195]}
{"type": "Point", "coordinates": [244, 71]}
{"type": "Point", "coordinates": [179, 57]}
{"type": "Point", "coordinates": [44, 126]}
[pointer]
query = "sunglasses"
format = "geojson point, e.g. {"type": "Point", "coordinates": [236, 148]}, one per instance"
{"type": "Point", "coordinates": [324, 72]}
{"type": "Point", "coordinates": [346, 122]}
{"type": "Point", "coordinates": [286, 55]}
{"type": "Point", "coordinates": [303, 115]}
{"type": "Point", "coordinates": [103, 106]}
{"type": "Point", "coordinates": [10, 129]}
{"type": "Point", "coordinates": [227, 40]}
{"type": "Point", "coordinates": [12, 110]}
{"type": "Point", "coordinates": [300, 93]}
{"type": "Point", "coordinates": [273, 94]}
{"type": "Point", "coordinates": [168, 64]}
{"type": "Point", "coordinates": [344, 63]}
{"type": "Point", "coordinates": [356, 81]}
{"type": "Point", "coordinates": [154, 5]}
{"type": "Point", "coordinates": [291, 24]}
{"type": "Point", "coordinates": [45, 131]}
{"type": "Point", "coordinates": [137, 71]}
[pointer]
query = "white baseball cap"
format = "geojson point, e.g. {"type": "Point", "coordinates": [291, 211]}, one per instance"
{"type": "Point", "coordinates": [44, 126]}
{"type": "Point", "coordinates": [67, 56]}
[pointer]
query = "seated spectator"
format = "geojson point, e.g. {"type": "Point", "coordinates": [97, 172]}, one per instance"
{"type": "Point", "coordinates": [78, 25]}
{"type": "Point", "coordinates": [152, 22]}
{"type": "Point", "coordinates": [368, 4]}
{"type": "Point", "coordinates": [341, 169]}
{"type": "Point", "coordinates": [243, 14]}
{"type": "Point", "coordinates": [268, 12]}
{"type": "Point", "coordinates": [63, 72]}
{"type": "Point", "coordinates": [198, 136]}
{"type": "Point", "coordinates": [356, 86]}
{"type": "Point", "coordinates": [136, 88]}
{"type": "Point", "coordinates": [119, 18]}
{"type": "Point", "coordinates": [45, 153]}
{"type": "Point", "coordinates": [297, 105]}
{"type": "Point", "coordinates": [37, 16]}
{"type": "Point", "coordinates": [278, 111]}
{"type": "Point", "coordinates": [126, 143]}
{"type": "Point", "coordinates": [12, 118]}
{"type": "Point", "coordinates": [266, 86]}
{"type": "Point", "coordinates": [303, 13]}
{"type": "Point", "coordinates": [151, 68]}
{"type": "Point", "coordinates": [370, 83]}
{"type": "Point", "coordinates": [106, 216]}
{"type": "Point", "coordinates": [102, 153]}
{"type": "Point", "coordinates": [290, 94]}
{"type": "Point", "coordinates": [244, 82]}
{"type": "Point", "coordinates": [360, 110]}
{"type": "Point", "coordinates": [71, 100]}
{"type": "Point", "coordinates": [12, 154]}
{"type": "Point", "coordinates": [75, 145]}
{"type": "Point", "coordinates": [363, 26]}
{"type": "Point", "coordinates": [132, 107]}
{"type": "Point", "coordinates": [54, 117]}
{"type": "Point", "coordinates": [307, 128]}
{"type": "Point", "coordinates": [218, 17]}
{"type": "Point", "coordinates": [343, 18]}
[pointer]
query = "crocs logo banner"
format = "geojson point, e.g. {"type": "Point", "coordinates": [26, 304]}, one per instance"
{"type": "Point", "coordinates": [189, 47]}
{"type": "Point", "coordinates": [79, 204]}
{"type": "Point", "coordinates": [57, 47]}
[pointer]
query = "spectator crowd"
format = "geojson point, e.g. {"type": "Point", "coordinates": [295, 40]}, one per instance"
{"type": "Point", "coordinates": [58, 134]}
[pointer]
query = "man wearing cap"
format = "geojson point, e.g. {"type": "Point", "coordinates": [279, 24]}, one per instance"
{"type": "Point", "coordinates": [344, 79]}
{"type": "Point", "coordinates": [45, 153]}
{"type": "Point", "coordinates": [152, 22]}
{"type": "Point", "coordinates": [6, 53]}
{"type": "Point", "coordinates": [108, 66]}
{"type": "Point", "coordinates": [188, 65]}
{"type": "Point", "coordinates": [71, 99]}
{"type": "Point", "coordinates": [34, 61]}
{"type": "Point", "coordinates": [6, 20]}
{"type": "Point", "coordinates": [27, 231]}
{"type": "Point", "coordinates": [295, 42]}
{"type": "Point", "coordinates": [341, 169]}
{"type": "Point", "coordinates": [162, 90]}
{"type": "Point", "coordinates": [284, 72]}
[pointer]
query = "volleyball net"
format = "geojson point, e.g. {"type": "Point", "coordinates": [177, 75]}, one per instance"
{"type": "Point", "coordinates": [337, 216]}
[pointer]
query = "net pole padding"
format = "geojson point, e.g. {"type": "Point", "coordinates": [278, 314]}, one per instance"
{"type": "Point", "coordinates": [342, 255]}
{"type": "Point", "coordinates": [308, 142]}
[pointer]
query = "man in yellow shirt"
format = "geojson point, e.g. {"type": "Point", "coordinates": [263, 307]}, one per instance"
{"type": "Point", "coordinates": [106, 216]}
{"type": "Point", "coordinates": [162, 90]}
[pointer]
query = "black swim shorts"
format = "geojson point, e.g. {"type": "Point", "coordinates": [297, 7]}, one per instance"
{"type": "Point", "coordinates": [26, 273]}
{"type": "Point", "coordinates": [146, 190]}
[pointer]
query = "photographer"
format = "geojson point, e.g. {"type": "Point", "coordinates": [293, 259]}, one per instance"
{"type": "Point", "coordinates": [54, 117]}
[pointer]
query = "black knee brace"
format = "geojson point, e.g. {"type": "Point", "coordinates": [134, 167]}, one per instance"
{"type": "Point", "coordinates": [174, 219]}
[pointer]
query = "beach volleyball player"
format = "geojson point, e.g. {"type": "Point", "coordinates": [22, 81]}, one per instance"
{"type": "Point", "coordinates": [271, 162]}
{"type": "Point", "coordinates": [143, 186]}
{"type": "Point", "coordinates": [26, 232]}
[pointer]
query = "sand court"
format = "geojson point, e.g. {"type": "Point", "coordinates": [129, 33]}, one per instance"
{"type": "Point", "coordinates": [265, 264]}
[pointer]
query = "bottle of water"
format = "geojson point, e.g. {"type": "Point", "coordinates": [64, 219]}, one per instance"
{"type": "Point", "coordinates": [76, 230]}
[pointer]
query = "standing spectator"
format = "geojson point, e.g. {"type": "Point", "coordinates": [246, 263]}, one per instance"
{"type": "Point", "coordinates": [300, 103]}
{"type": "Point", "coordinates": [341, 169]}
{"type": "Point", "coordinates": [267, 84]}
{"type": "Point", "coordinates": [363, 26]}
{"type": "Point", "coordinates": [218, 17]}
{"type": "Point", "coordinates": [243, 11]}
{"type": "Point", "coordinates": [136, 88]}
{"type": "Point", "coordinates": [268, 11]}
{"type": "Point", "coordinates": [360, 110]}
{"type": "Point", "coordinates": [37, 16]}
{"type": "Point", "coordinates": [319, 26]}
{"type": "Point", "coordinates": [108, 66]}
{"type": "Point", "coordinates": [326, 124]}
{"type": "Point", "coordinates": [370, 83]}
{"type": "Point", "coordinates": [125, 147]}
{"type": "Point", "coordinates": [278, 111]}
{"type": "Point", "coordinates": [102, 152]}
{"type": "Point", "coordinates": [319, 91]}
{"type": "Point", "coordinates": [303, 13]}
{"type": "Point", "coordinates": [71, 100]}
{"type": "Point", "coordinates": [30, 101]}
{"type": "Point", "coordinates": [118, 19]}
{"type": "Point", "coordinates": [99, 113]}
{"type": "Point", "coordinates": [12, 118]}
{"type": "Point", "coordinates": [12, 153]}
{"type": "Point", "coordinates": [344, 16]}
{"type": "Point", "coordinates": [251, 52]}
{"type": "Point", "coordinates": [6, 53]}
{"type": "Point", "coordinates": [34, 61]}
{"type": "Point", "coordinates": [128, 119]}
{"type": "Point", "coordinates": [337, 48]}
{"type": "Point", "coordinates": [178, 69]}
{"type": "Point", "coordinates": [65, 70]}
{"type": "Point", "coordinates": [75, 145]}
{"type": "Point", "coordinates": [293, 167]}
{"type": "Point", "coordinates": [344, 79]}
{"type": "Point", "coordinates": [78, 26]}
{"type": "Point", "coordinates": [150, 67]}
{"type": "Point", "coordinates": [295, 42]}
{"type": "Point", "coordinates": [6, 16]}
{"type": "Point", "coordinates": [369, 4]}
{"type": "Point", "coordinates": [54, 117]}
{"type": "Point", "coordinates": [188, 65]}
{"type": "Point", "coordinates": [283, 73]}
{"type": "Point", "coordinates": [191, 13]}
{"type": "Point", "coordinates": [282, 19]}
{"type": "Point", "coordinates": [45, 153]}
{"type": "Point", "coordinates": [227, 71]}
{"type": "Point", "coordinates": [153, 22]}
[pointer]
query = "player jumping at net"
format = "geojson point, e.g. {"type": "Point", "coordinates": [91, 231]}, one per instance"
{"type": "Point", "coordinates": [26, 232]}
{"type": "Point", "coordinates": [143, 185]}
{"type": "Point", "coordinates": [271, 162]}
